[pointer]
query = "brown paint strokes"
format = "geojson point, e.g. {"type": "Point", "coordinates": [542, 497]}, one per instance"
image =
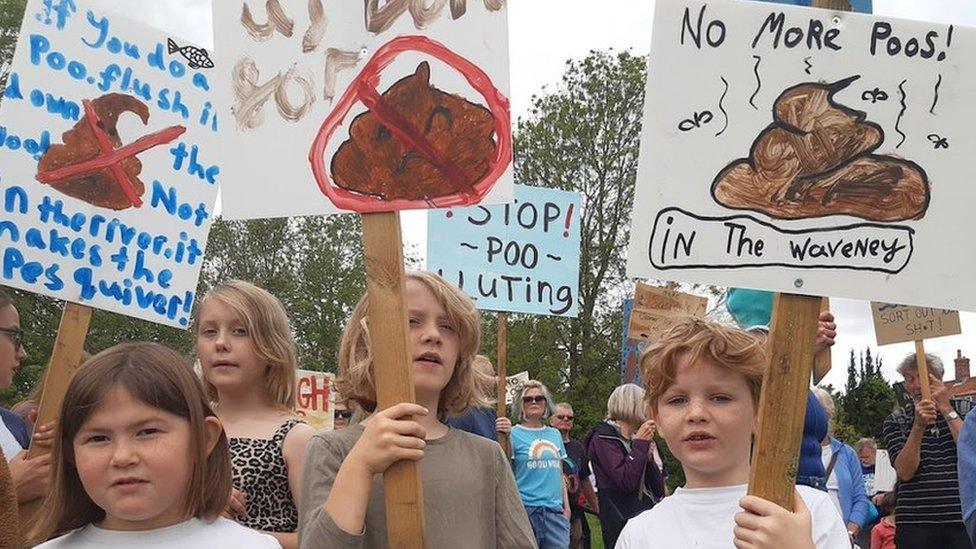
{"type": "Point", "coordinates": [375, 162]}
{"type": "Point", "coordinates": [337, 60]}
{"type": "Point", "coordinates": [317, 25]}
{"type": "Point", "coordinates": [277, 20]}
{"type": "Point", "coordinates": [423, 12]}
{"type": "Point", "coordinates": [816, 160]}
{"type": "Point", "coordinates": [250, 97]}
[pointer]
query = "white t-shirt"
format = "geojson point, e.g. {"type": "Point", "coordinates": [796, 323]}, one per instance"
{"type": "Point", "coordinates": [703, 518]}
{"type": "Point", "coordinates": [8, 442]}
{"type": "Point", "coordinates": [192, 534]}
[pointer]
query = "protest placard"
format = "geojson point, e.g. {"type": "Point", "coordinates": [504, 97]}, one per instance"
{"type": "Point", "coordinates": [656, 310]}
{"type": "Point", "coordinates": [314, 398]}
{"type": "Point", "coordinates": [359, 96]}
{"type": "Point", "coordinates": [630, 348]}
{"type": "Point", "coordinates": [107, 168]}
{"type": "Point", "coordinates": [895, 323]}
{"type": "Point", "coordinates": [520, 257]}
{"type": "Point", "coordinates": [784, 146]}
{"type": "Point", "coordinates": [513, 386]}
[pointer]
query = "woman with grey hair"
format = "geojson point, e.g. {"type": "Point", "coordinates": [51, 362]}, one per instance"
{"type": "Point", "coordinates": [629, 480]}
{"type": "Point", "coordinates": [538, 453]}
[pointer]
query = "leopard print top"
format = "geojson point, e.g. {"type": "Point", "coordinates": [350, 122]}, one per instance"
{"type": "Point", "coordinates": [260, 472]}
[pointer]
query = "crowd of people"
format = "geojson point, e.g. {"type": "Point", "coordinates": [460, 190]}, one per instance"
{"type": "Point", "coordinates": [147, 452]}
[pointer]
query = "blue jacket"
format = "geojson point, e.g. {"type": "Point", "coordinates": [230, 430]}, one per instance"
{"type": "Point", "coordinates": [854, 502]}
{"type": "Point", "coordinates": [16, 426]}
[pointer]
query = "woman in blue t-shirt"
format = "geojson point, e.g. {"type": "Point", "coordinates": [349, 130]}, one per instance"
{"type": "Point", "coordinates": [537, 454]}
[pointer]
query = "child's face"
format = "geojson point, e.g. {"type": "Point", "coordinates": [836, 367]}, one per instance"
{"type": "Point", "coordinates": [226, 350]}
{"type": "Point", "coordinates": [707, 417]}
{"type": "Point", "coordinates": [134, 462]}
{"type": "Point", "coordinates": [435, 341]}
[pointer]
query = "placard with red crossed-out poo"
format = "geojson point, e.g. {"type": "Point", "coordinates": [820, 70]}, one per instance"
{"type": "Point", "coordinates": [108, 172]}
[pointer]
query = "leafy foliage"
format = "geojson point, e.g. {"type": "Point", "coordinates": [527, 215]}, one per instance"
{"type": "Point", "coordinates": [11, 13]}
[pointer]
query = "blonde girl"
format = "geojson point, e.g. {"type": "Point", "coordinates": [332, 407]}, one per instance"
{"type": "Point", "coordinates": [470, 498]}
{"type": "Point", "coordinates": [140, 459]}
{"type": "Point", "coordinates": [248, 358]}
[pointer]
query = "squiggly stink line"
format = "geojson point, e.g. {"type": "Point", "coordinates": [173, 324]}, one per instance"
{"type": "Point", "coordinates": [901, 113]}
{"type": "Point", "coordinates": [721, 108]}
{"type": "Point", "coordinates": [935, 100]}
{"type": "Point", "coordinates": [755, 70]}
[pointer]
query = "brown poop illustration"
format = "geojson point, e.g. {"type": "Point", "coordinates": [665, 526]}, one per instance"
{"type": "Point", "coordinates": [99, 188]}
{"type": "Point", "coordinates": [815, 160]}
{"type": "Point", "coordinates": [443, 144]}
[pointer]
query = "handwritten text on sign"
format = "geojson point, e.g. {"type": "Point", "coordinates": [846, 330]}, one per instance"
{"type": "Point", "coordinates": [107, 178]}
{"type": "Point", "coordinates": [782, 146]}
{"type": "Point", "coordinates": [521, 257]}
{"type": "Point", "coordinates": [895, 323]}
{"type": "Point", "coordinates": [314, 398]}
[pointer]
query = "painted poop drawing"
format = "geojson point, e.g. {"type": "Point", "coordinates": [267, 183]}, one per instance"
{"type": "Point", "coordinates": [92, 164]}
{"type": "Point", "coordinates": [447, 146]}
{"type": "Point", "coordinates": [817, 159]}
{"type": "Point", "coordinates": [416, 146]}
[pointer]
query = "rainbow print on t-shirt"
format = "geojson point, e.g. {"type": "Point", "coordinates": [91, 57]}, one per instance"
{"type": "Point", "coordinates": [539, 447]}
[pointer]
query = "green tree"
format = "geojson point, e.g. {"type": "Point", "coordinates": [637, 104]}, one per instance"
{"type": "Point", "coordinates": [11, 14]}
{"type": "Point", "coordinates": [584, 136]}
{"type": "Point", "coordinates": [868, 398]}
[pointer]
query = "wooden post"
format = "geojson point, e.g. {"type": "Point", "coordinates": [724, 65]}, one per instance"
{"type": "Point", "coordinates": [923, 369]}
{"type": "Point", "coordinates": [782, 405]}
{"type": "Point", "coordinates": [385, 287]}
{"type": "Point", "coordinates": [821, 362]}
{"type": "Point", "coordinates": [69, 345]}
{"type": "Point", "coordinates": [502, 372]}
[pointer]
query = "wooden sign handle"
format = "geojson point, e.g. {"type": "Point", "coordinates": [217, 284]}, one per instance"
{"type": "Point", "coordinates": [821, 362]}
{"type": "Point", "coordinates": [923, 369]}
{"type": "Point", "coordinates": [502, 410]}
{"type": "Point", "coordinates": [782, 405]}
{"type": "Point", "coordinates": [69, 346]}
{"type": "Point", "coordinates": [385, 289]}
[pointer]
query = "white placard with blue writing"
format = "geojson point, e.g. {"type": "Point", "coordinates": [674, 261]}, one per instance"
{"type": "Point", "coordinates": [808, 151]}
{"type": "Point", "coordinates": [107, 173]}
{"type": "Point", "coordinates": [521, 257]}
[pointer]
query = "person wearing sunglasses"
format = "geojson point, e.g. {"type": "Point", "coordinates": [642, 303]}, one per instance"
{"type": "Point", "coordinates": [30, 477]}
{"type": "Point", "coordinates": [537, 454]}
{"type": "Point", "coordinates": [577, 471]}
{"type": "Point", "coordinates": [341, 415]}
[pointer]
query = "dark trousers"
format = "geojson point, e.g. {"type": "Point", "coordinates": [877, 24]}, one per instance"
{"type": "Point", "coordinates": [931, 536]}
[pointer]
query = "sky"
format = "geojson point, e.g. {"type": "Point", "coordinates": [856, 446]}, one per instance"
{"type": "Point", "coordinates": [543, 34]}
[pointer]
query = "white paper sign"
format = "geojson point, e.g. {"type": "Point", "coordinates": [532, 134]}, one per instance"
{"type": "Point", "coordinates": [513, 386]}
{"type": "Point", "coordinates": [301, 75]}
{"type": "Point", "coordinates": [808, 151]}
{"type": "Point", "coordinates": [107, 167]}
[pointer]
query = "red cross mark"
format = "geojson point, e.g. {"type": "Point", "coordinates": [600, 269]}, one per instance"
{"type": "Point", "coordinates": [110, 157]}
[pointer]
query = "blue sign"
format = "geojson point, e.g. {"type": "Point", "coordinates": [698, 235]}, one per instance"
{"type": "Point", "coordinates": [521, 257]}
{"type": "Point", "coordinates": [860, 6]}
{"type": "Point", "coordinates": [631, 349]}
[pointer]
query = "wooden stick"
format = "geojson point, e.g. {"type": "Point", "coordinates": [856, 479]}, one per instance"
{"type": "Point", "coordinates": [502, 372]}
{"type": "Point", "coordinates": [821, 362]}
{"type": "Point", "coordinates": [385, 288]}
{"type": "Point", "coordinates": [923, 369]}
{"type": "Point", "coordinates": [69, 346]}
{"type": "Point", "coordinates": [782, 405]}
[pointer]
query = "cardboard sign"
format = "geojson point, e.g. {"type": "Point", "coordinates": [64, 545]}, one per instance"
{"type": "Point", "coordinates": [630, 349]}
{"type": "Point", "coordinates": [656, 310]}
{"type": "Point", "coordinates": [513, 386]}
{"type": "Point", "coordinates": [807, 151]}
{"type": "Point", "coordinates": [107, 167]}
{"type": "Point", "coordinates": [895, 323]}
{"type": "Point", "coordinates": [521, 257]}
{"type": "Point", "coordinates": [314, 398]}
{"type": "Point", "coordinates": [863, 6]}
{"type": "Point", "coordinates": [403, 108]}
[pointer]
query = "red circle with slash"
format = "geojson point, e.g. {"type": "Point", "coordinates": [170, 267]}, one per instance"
{"type": "Point", "coordinates": [363, 88]}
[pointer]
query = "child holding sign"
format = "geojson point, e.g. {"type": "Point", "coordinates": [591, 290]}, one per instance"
{"type": "Point", "coordinates": [248, 358]}
{"type": "Point", "coordinates": [139, 459]}
{"type": "Point", "coordinates": [703, 383]}
{"type": "Point", "coordinates": [343, 496]}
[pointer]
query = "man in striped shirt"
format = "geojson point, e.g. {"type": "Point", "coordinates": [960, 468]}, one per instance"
{"type": "Point", "coordinates": [921, 440]}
